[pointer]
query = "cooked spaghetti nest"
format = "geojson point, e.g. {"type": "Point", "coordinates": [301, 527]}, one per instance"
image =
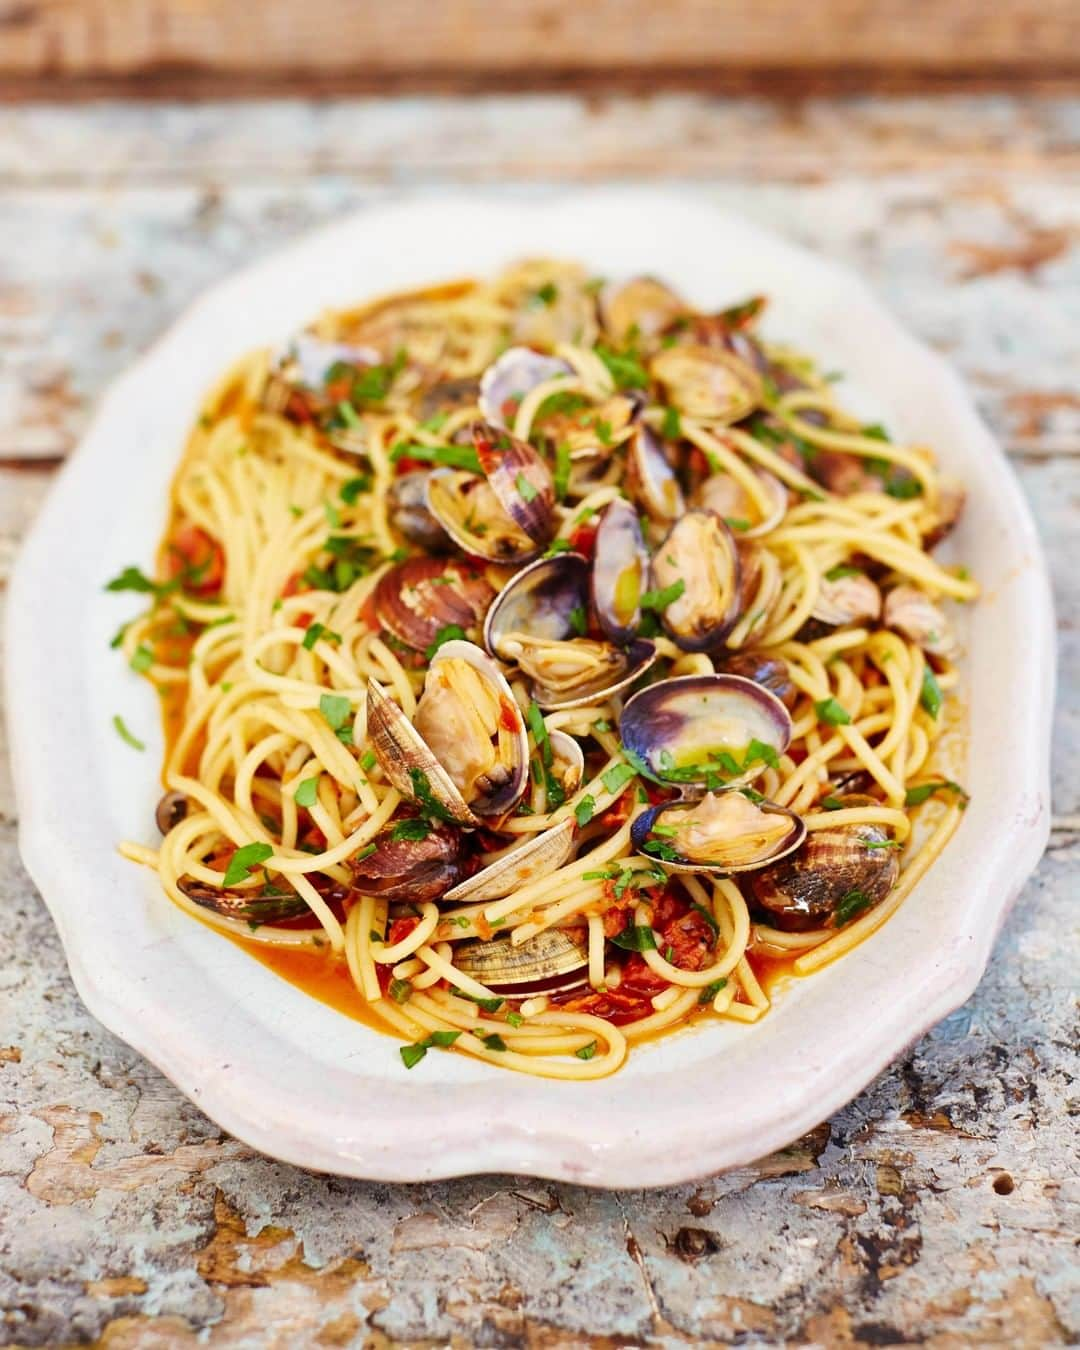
{"type": "Point", "coordinates": [554, 656]}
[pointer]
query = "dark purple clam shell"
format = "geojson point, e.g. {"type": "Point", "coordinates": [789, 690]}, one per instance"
{"type": "Point", "coordinates": [519, 477]}
{"type": "Point", "coordinates": [682, 727]}
{"type": "Point", "coordinates": [539, 600]}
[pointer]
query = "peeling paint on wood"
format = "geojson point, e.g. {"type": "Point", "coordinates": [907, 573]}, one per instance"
{"type": "Point", "coordinates": [940, 1207]}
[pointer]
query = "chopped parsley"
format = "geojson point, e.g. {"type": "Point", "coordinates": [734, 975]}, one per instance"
{"type": "Point", "coordinates": [586, 1051]}
{"type": "Point", "coordinates": [414, 827]}
{"type": "Point", "coordinates": [514, 1019]}
{"type": "Point", "coordinates": [244, 859]}
{"type": "Point", "coordinates": [562, 470]}
{"type": "Point", "coordinates": [525, 489]}
{"type": "Point", "coordinates": [662, 598]}
{"type": "Point", "coordinates": [830, 711]}
{"type": "Point", "coordinates": [494, 1041]}
{"type": "Point", "coordinates": [711, 990]}
{"type": "Point", "coordinates": [842, 570]}
{"type": "Point", "coordinates": [548, 293]}
{"type": "Point", "coordinates": [915, 796]}
{"type": "Point", "coordinates": [411, 1055]}
{"type": "Point", "coordinates": [142, 658]}
{"type": "Point", "coordinates": [315, 631]}
{"type": "Point", "coordinates": [125, 735]}
{"type": "Point", "coordinates": [453, 456]}
{"type": "Point", "coordinates": [626, 370]}
{"type": "Point", "coordinates": [558, 546]}
{"type": "Point", "coordinates": [930, 695]}
{"type": "Point", "coordinates": [671, 427]}
{"type": "Point", "coordinates": [851, 904]}
{"type": "Point", "coordinates": [308, 792]}
{"type": "Point", "coordinates": [617, 777]}
{"type": "Point", "coordinates": [636, 937]}
{"type": "Point", "coordinates": [427, 801]}
{"type": "Point", "coordinates": [579, 621]}
{"type": "Point", "coordinates": [353, 487]}
{"type": "Point", "coordinates": [490, 1005]}
{"type": "Point", "coordinates": [335, 709]}
{"type": "Point", "coordinates": [450, 632]}
{"type": "Point", "coordinates": [583, 812]}
{"type": "Point", "coordinates": [400, 990]}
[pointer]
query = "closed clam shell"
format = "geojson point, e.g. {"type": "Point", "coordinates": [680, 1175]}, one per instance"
{"type": "Point", "coordinates": [528, 862]}
{"type": "Point", "coordinates": [852, 863]}
{"type": "Point", "coordinates": [707, 382]}
{"type": "Point", "coordinates": [406, 505]}
{"type": "Point", "coordinates": [852, 597]}
{"type": "Point", "coordinates": [689, 728]}
{"type": "Point", "coordinates": [724, 495]}
{"type": "Point", "coordinates": [641, 306]}
{"type": "Point", "coordinates": [553, 959]}
{"type": "Point", "coordinates": [420, 596]}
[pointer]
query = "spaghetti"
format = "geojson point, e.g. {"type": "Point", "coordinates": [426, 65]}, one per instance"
{"type": "Point", "coordinates": [549, 655]}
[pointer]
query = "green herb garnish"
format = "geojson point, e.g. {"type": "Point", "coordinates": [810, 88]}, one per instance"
{"type": "Point", "coordinates": [834, 713]}
{"type": "Point", "coordinates": [125, 735]}
{"type": "Point", "coordinates": [308, 792]}
{"type": "Point", "coordinates": [244, 859]}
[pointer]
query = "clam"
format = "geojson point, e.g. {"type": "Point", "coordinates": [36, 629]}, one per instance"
{"type": "Point", "coordinates": [507, 381]}
{"type": "Point", "coordinates": [726, 497]}
{"type": "Point", "coordinates": [619, 572]}
{"type": "Point", "coordinates": [850, 597]}
{"type": "Point", "coordinates": [567, 762]}
{"type": "Point", "coordinates": [591, 432]}
{"type": "Point", "coordinates": [407, 508]}
{"type": "Point", "coordinates": [465, 755]}
{"type": "Point", "coordinates": [170, 811]}
{"type": "Point", "coordinates": [519, 477]}
{"type": "Point", "coordinates": [554, 959]}
{"type": "Point", "coordinates": [700, 553]}
{"type": "Point", "coordinates": [404, 867]}
{"type": "Point", "coordinates": [420, 596]}
{"type": "Point", "coordinates": [707, 382]}
{"type": "Point", "coordinates": [270, 905]}
{"type": "Point", "coordinates": [950, 506]}
{"type": "Point", "coordinates": [913, 614]}
{"type": "Point", "coordinates": [537, 622]}
{"type": "Point", "coordinates": [467, 508]}
{"type": "Point", "coordinates": [769, 671]}
{"type": "Point", "coordinates": [720, 730]}
{"type": "Point", "coordinates": [448, 396]}
{"type": "Point", "coordinates": [528, 862]}
{"type": "Point", "coordinates": [650, 479]}
{"type": "Point", "coordinates": [838, 873]}
{"type": "Point", "coordinates": [311, 359]}
{"type": "Point", "coordinates": [721, 832]}
{"type": "Point", "coordinates": [641, 308]}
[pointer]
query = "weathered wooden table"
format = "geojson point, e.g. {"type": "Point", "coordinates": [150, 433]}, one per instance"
{"type": "Point", "coordinates": [936, 1208]}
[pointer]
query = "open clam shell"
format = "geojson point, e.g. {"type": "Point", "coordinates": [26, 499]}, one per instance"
{"type": "Point", "coordinates": [407, 508]}
{"type": "Point", "coordinates": [407, 760]}
{"type": "Point", "coordinates": [650, 479]}
{"type": "Point", "coordinates": [553, 959]}
{"type": "Point", "coordinates": [515, 374]}
{"type": "Point", "coordinates": [468, 509]}
{"type": "Point", "coordinates": [419, 596]}
{"type": "Point", "coordinates": [536, 858]}
{"type": "Point", "coordinates": [410, 869]}
{"type": "Point", "coordinates": [536, 621]}
{"type": "Point", "coordinates": [719, 833]}
{"type": "Point", "coordinates": [519, 477]}
{"type": "Point", "coordinates": [707, 382]}
{"type": "Point", "coordinates": [720, 730]}
{"type": "Point", "coordinates": [469, 721]}
{"type": "Point", "coordinates": [619, 572]}
{"type": "Point", "coordinates": [641, 307]}
{"type": "Point", "coordinates": [699, 552]}
{"type": "Point", "coordinates": [567, 761]}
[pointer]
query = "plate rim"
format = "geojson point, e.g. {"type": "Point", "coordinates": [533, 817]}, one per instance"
{"type": "Point", "coordinates": [559, 1150]}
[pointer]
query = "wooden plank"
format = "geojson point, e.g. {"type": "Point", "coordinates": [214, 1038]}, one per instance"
{"type": "Point", "coordinates": [518, 43]}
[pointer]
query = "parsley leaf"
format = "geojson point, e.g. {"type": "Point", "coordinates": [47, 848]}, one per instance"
{"type": "Point", "coordinates": [583, 812]}
{"type": "Point", "coordinates": [832, 712]}
{"type": "Point", "coordinates": [244, 859]}
{"type": "Point", "coordinates": [626, 370]}
{"type": "Point", "coordinates": [617, 777]}
{"type": "Point", "coordinates": [586, 1051]}
{"type": "Point", "coordinates": [711, 990]}
{"type": "Point", "coordinates": [525, 489]}
{"type": "Point", "coordinates": [335, 708]}
{"type": "Point", "coordinates": [930, 695]}
{"type": "Point", "coordinates": [851, 904]}
{"type": "Point", "coordinates": [413, 827]}
{"type": "Point", "coordinates": [636, 937]}
{"type": "Point", "coordinates": [918, 794]}
{"type": "Point", "coordinates": [449, 632]}
{"type": "Point", "coordinates": [662, 598]}
{"type": "Point", "coordinates": [308, 792]}
{"type": "Point", "coordinates": [142, 658]}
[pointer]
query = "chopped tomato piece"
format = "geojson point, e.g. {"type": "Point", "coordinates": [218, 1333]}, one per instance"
{"type": "Point", "coordinates": [583, 540]}
{"type": "Point", "coordinates": [197, 559]}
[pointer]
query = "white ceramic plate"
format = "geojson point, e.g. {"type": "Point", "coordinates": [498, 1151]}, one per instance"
{"type": "Point", "coordinates": [297, 1080]}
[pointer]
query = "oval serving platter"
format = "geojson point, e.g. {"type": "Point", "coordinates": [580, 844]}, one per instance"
{"type": "Point", "coordinates": [289, 1075]}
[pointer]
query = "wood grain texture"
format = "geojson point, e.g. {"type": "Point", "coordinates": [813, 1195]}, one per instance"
{"type": "Point", "coordinates": [940, 1207]}
{"type": "Point", "coordinates": [520, 43]}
